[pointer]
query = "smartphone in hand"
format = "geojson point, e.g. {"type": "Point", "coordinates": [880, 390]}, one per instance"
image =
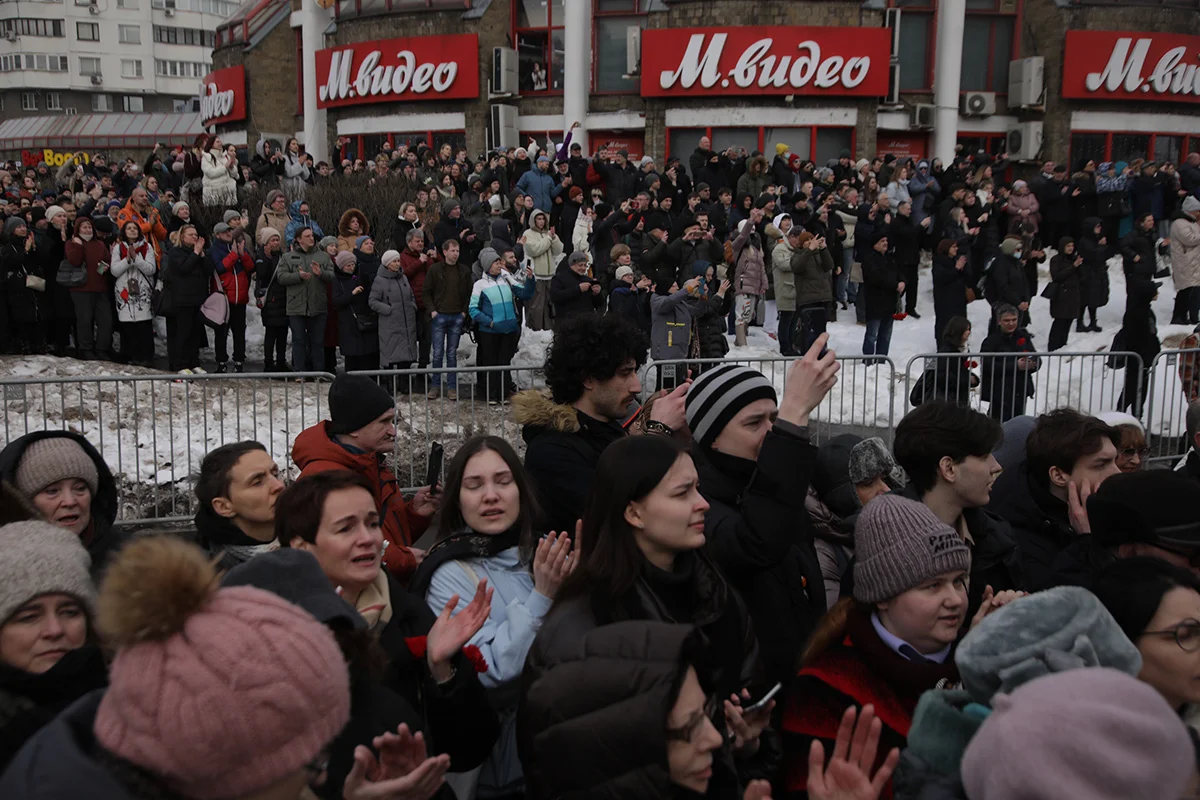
{"type": "Point", "coordinates": [433, 474]}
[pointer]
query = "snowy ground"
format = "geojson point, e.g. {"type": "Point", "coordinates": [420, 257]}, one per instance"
{"type": "Point", "coordinates": [154, 429]}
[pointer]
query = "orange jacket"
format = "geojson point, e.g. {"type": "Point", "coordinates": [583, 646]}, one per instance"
{"type": "Point", "coordinates": [315, 451]}
{"type": "Point", "coordinates": [151, 225]}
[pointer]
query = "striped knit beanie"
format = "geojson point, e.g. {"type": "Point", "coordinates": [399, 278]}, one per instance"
{"type": "Point", "coordinates": [718, 395]}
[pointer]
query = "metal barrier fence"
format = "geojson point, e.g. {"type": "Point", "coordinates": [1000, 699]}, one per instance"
{"type": "Point", "coordinates": [1174, 383]}
{"type": "Point", "coordinates": [154, 430]}
{"type": "Point", "coordinates": [1004, 385]}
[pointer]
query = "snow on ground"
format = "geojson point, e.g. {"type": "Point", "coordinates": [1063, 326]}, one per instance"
{"type": "Point", "coordinates": [154, 429]}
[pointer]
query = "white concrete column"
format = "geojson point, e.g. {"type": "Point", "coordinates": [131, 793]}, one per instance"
{"type": "Point", "coordinates": [947, 73]}
{"type": "Point", "coordinates": [577, 66]}
{"type": "Point", "coordinates": [312, 21]}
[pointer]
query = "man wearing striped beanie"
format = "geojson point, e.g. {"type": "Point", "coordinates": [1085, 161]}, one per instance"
{"type": "Point", "coordinates": [755, 462]}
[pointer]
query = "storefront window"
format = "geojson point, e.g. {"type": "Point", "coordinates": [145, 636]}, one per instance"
{"type": "Point", "coordinates": [1128, 146]}
{"type": "Point", "coordinates": [1088, 147]}
{"type": "Point", "coordinates": [1168, 148]}
{"type": "Point", "coordinates": [916, 36]}
{"type": "Point", "coordinates": [455, 139]}
{"type": "Point", "coordinates": [539, 38]}
{"type": "Point", "coordinates": [798, 140]}
{"type": "Point", "coordinates": [745, 138]}
{"type": "Point", "coordinates": [990, 143]}
{"type": "Point", "coordinates": [831, 142]}
{"type": "Point", "coordinates": [368, 145]}
{"type": "Point", "coordinates": [682, 141]}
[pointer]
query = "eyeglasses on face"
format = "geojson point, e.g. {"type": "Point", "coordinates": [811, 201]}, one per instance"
{"type": "Point", "coordinates": [1129, 452]}
{"type": "Point", "coordinates": [1186, 635]}
{"type": "Point", "coordinates": [714, 711]}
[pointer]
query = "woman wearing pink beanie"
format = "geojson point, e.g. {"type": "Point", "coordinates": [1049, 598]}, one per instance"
{"type": "Point", "coordinates": [214, 693]}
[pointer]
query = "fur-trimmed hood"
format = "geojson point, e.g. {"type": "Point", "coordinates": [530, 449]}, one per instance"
{"type": "Point", "coordinates": [534, 409]}
{"type": "Point", "coordinates": [344, 223]}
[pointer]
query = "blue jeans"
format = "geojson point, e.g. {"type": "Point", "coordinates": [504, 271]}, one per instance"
{"type": "Point", "coordinates": [447, 328]}
{"type": "Point", "coordinates": [878, 337]}
{"type": "Point", "coordinates": [308, 343]}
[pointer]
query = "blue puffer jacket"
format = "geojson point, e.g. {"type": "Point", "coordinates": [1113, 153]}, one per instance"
{"type": "Point", "coordinates": [300, 221]}
{"type": "Point", "coordinates": [492, 305]}
{"type": "Point", "coordinates": [542, 186]}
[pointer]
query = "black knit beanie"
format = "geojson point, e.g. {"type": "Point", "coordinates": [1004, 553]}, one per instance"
{"type": "Point", "coordinates": [355, 401]}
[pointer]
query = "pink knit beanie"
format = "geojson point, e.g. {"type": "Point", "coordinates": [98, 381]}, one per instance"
{"type": "Point", "coordinates": [218, 692]}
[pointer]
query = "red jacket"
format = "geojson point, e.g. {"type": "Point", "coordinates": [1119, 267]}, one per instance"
{"type": "Point", "coordinates": [89, 254]}
{"type": "Point", "coordinates": [234, 270]}
{"type": "Point", "coordinates": [415, 270]}
{"type": "Point", "coordinates": [861, 670]}
{"type": "Point", "coordinates": [316, 451]}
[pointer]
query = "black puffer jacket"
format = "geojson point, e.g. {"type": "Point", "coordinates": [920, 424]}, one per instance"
{"type": "Point", "coordinates": [1066, 276]}
{"type": "Point", "coordinates": [273, 293]}
{"type": "Point", "coordinates": [103, 540]}
{"type": "Point", "coordinates": [594, 714]}
{"type": "Point", "coordinates": [1039, 521]}
{"type": "Point", "coordinates": [714, 607]}
{"type": "Point", "coordinates": [1139, 245]}
{"type": "Point", "coordinates": [568, 300]}
{"type": "Point", "coordinates": [1094, 287]}
{"type": "Point", "coordinates": [353, 309]}
{"type": "Point", "coordinates": [758, 534]}
{"type": "Point", "coordinates": [711, 327]}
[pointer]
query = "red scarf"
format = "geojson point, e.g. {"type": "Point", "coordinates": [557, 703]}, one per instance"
{"type": "Point", "coordinates": [140, 247]}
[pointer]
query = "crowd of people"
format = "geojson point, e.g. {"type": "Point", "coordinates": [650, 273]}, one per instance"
{"type": "Point", "coordinates": [686, 598]}
{"type": "Point", "coordinates": [693, 249]}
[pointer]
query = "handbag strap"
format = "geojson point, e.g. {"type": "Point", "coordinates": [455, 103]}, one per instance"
{"type": "Point", "coordinates": [220, 286]}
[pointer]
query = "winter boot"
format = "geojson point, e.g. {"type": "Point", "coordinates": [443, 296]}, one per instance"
{"type": "Point", "coordinates": [238, 366]}
{"type": "Point", "coordinates": [739, 336]}
{"type": "Point", "coordinates": [221, 367]}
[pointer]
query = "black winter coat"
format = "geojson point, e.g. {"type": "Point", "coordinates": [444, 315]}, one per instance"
{"type": "Point", "coordinates": [1068, 292]}
{"type": "Point", "coordinates": [1138, 245]}
{"type": "Point", "coordinates": [631, 303]}
{"type": "Point", "coordinates": [27, 306]}
{"type": "Point", "coordinates": [999, 375]}
{"type": "Point", "coordinates": [1039, 521]}
{"type": "Point", "coordinates": [185, 276]}
{"type": "Point", "coordinates": [568, 300]}
{"type": "Point", "coordinates": [758, 533]}
{"type": "Point", "coordinates": [1094, 278]}
{"type": "Point", "coordinates": [459, 720]}
{"type": "Point", "coordinates": [695, 593]}
{"type": "Point", "coordinates": [881, 276]}
{"type": "Point", "coordinates": [28, 701]}
{"type": "Point", "coordinates": [945, 378]}
{"type": "Point", "coordinates": [1006, 282]}
{"type": "Point", "coordinates": [603, 695]}
{"type": "Point", "coordinates": [562, 446]}
{"type": "Point", "coordinates": [904, 237]}
{"type": "Point", "coordinates": [272, 293]}
{"type": "Point", "coordinates": [104, 540]}
{"type": "Point", "coordinates": [711, 327]}
{"type": "Point", "coordinates": [353, 309]}
{"type": "Point", "coordinates": [949, 288]}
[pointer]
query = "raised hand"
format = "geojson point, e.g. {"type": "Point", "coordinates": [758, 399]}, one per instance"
{"type": "Point", "coordinates": [848, 776]}
{"type": "Point", "coordinates": [552, 563]}
{"type": "Point", "coordinates": [809, 379]}
{"type": "Point", "coordinates": [450, 633]}
{"type": "Point", "coordinates": [746, 726]}
{"type": "Point", "coordinates": [403, 770]}
{"type": "Point", "coordinates": [670, 410]}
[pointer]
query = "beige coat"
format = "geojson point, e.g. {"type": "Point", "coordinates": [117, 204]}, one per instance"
{"type": "Point", "coordinates": [1185, 253]}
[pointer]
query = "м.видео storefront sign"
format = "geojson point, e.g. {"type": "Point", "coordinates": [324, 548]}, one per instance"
{"type": "Point", "coordinates": [679, 62]}
{"type": "Point", "coordinates": [1130, 65]}
{"type": "Point", "coordinates": [384, 71]}
{"type": "Point", "coordinates": [223, 96]}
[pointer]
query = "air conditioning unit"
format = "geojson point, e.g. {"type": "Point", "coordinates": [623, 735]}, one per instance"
{"type": "Point", "coordinates": [978, 104]}
{"type": "Point", "coordinates": [922, 115]}
{"type": "Point", "coordinates": [97, 79]}
{"type": "Point", "coordinates": [1026, 82]}
{"type": "Point", "coordinates": [633, 50]}
{"type": "Point", "coordinates": [502, 132]}
{"type": "Point", "coordinates": [504, 72]}
{"type": "Point", "coordinates": [10, 36]}
{"type": "Point", "coordinates": [70, 111]}
{"type": "Point", "coordinates": [1025, 141]}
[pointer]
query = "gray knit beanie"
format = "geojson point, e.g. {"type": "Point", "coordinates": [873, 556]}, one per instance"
{"type": "Point", "coordinates": [40, 558]}
{"type": "Point", "coordinates": [718, 395]}
{"type": "Point", "coordinates": [53, 459]}
{"type": "Point", "coordinates": [1052, 631]}
{"type": "Point", "coordinates": [898, 545]}
{"type": "Point", "coordinates": [327, 242]}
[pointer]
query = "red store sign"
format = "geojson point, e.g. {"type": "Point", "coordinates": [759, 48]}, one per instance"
{"type": "Point", "coordinates": [384, 71]}
{"type": "Point", "coordinates": [1125, 65]}
{"type": "Point", "coordinates": [678, 62]}
{"type": "Point", "coordinates": [223, 96]}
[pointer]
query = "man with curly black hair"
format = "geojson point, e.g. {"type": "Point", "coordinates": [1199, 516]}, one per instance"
{"type": "Point", "coordinates": [592, 377]}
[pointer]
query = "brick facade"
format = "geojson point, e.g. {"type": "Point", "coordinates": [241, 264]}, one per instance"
{"type": "Point", "coordinates": [271, 96]}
